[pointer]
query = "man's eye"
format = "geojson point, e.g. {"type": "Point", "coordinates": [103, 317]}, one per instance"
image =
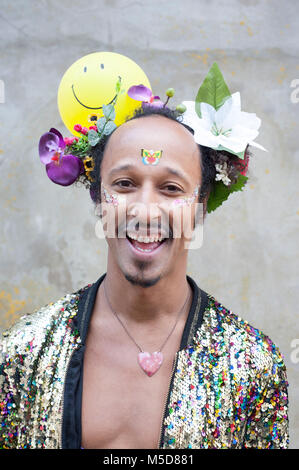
{"type": "Point", "coordinates": [172, 188]}
{"type": "Point", "coordinates": [123, 183]}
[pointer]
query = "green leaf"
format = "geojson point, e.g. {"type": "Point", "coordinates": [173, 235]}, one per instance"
{"type": "Point", "coordinates": [101, 124]}
{"type": "Point", "coordinates": [93, 137]}
{"type": "Point", "coordinates": [220, 192]}
{"type": "Point", "coordinates": [109, 112]}
{"type": "Point", "coordinates": [110, 126]}
{"type": "Point", "coordinates": [213, 90]}
{"type": "Point", "coordinates": [118, 85]}
{"type": "Point", "coordinates": [239, 154]}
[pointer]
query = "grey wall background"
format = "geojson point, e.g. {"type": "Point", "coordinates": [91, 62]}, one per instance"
{"type": "Point", "coordinates": [249, 258]}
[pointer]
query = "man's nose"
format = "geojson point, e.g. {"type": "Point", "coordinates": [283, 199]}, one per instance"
{"type": "Point", "coordinates": [145, 207]}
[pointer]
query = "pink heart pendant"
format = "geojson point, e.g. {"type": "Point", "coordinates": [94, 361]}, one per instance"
{"type": "Point", "coordinates": [150, 363]}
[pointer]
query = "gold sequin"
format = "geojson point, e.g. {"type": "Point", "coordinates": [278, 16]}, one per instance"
{"type": "Point", "coordinates": [229, 388]}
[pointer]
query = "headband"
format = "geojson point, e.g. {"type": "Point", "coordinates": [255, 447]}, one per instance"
{"type": "Point", "coordinates": [215, 117]}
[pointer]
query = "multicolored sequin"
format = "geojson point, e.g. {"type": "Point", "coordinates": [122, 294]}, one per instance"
{"type": "Point", "coordinates": [229, 388]}
{"type": "Point", "coordinates": [34, 354]}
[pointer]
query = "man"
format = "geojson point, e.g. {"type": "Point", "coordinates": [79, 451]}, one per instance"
{"type": "Point", "coordinates": [70, 372]}
{"type": "Point", "coordinates": [143, 357]}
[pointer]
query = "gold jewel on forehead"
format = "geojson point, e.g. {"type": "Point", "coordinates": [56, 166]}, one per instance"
{"type": "Point", "coordinates": [151, 157]}
{"type": "Point", "coordinates": [187, 200]}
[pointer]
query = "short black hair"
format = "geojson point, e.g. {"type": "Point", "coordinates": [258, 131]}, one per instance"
{"type": "Point", "coordinates": [208, 157]}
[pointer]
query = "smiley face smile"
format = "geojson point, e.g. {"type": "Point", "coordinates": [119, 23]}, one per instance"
{"type": "Point", "coordinates": [89, 107]}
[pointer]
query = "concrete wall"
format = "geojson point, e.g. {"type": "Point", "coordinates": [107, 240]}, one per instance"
{"type": "Point", "coordinates": [249, 259]}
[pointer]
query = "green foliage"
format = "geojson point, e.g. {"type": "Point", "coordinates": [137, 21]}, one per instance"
{"type": "Point", "coordinates": [181, 108]}
{"type": "Point", "coordinates": [109, 127]}
{"type": "Point", "coordinates": [170, 92]}
{"type": "Point", "coordinates": [213, 90]}
{"type": "Point", "coordinates": [106, 124]}
{"type": "Point", "coordinates": [80, 148]}
{"type": "Point", "coordinates": [109, 112]}
{"type": "Point", "coordinates": [101, 124]}
{"type": "Point", "coordinates": [239, 154]}
{"type": "Point", "coordinates": [118, 85]}
{"type": "Point", "coordinates": [93, 137]}
{"type": "Point", "coordinates": [220, 192]}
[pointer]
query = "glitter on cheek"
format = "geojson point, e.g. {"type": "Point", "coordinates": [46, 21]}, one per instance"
{"type": "Point", "coordinates": [114, 199]}
{"type": "Point", "coordinates": [187, 200]}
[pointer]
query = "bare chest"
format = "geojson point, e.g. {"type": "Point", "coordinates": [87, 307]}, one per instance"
{"type": "Point", "coordinates": [121, 406]}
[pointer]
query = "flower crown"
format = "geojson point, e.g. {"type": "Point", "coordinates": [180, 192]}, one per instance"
{"type": "Point", "coordinates": [215, 117]}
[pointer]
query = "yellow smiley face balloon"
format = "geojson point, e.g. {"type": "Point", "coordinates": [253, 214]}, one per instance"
{"type": "Point", "coordinates": [90, 82]}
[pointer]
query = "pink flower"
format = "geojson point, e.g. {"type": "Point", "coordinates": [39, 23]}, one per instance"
{"type": "Point", "coordinates": [70, 140]}
{"type": "Point", "coordinates": [61, 169]}
{"type": "Point", "coordinates": [93, 128]}
{"type": "Point", "coordinates": [144, 94]}
{"type": "Point", "coordinates": [84, 130]}
{"type": "Point", "coordinates": [78, 127]}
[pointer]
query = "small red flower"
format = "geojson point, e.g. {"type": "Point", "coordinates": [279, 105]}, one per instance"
{"type": "Point", "coordinates": [78, 127]}
{"type": "Point", "coordinates": [84, 130]}
{"type": "Point", "coordinates": [242, 165]}
{"type": "Point", "coordinates": [93, 128]}
{"type": "Point", "coordinates": [70, 140]}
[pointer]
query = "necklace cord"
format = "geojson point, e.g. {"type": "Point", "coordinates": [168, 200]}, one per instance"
{"type": "Point", "coordinates": [128, 333]}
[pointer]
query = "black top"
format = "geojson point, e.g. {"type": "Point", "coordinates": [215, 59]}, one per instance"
{"type": "Point", "coordinates": [72, 418]}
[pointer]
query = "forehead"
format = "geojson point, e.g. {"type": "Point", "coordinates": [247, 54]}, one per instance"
{"type": "Point", "coordinates": [179, 149]}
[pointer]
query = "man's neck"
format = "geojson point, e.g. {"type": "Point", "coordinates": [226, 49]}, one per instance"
{"type": "Point", "coordinates": [145, 304]}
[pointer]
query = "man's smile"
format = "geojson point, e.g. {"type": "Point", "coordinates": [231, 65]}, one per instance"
{"type": "Point", "coordinates": [146, 250]}
{"type": "Point", "coordinates": [89, 107]}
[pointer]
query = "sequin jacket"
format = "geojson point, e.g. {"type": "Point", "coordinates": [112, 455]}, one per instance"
{"type": "Point", "coordinates": [228, 387]}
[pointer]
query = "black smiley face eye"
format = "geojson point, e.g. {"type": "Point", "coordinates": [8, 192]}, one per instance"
{"type": "Point", "coordinates": [102, 66]}
{"type": "Point", "coordinates": [85, 69]}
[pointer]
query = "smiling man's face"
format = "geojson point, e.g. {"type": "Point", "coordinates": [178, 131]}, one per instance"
{"type": "Point", "coordinates": [154, 194]}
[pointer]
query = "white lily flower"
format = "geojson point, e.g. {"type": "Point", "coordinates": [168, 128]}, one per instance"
{"type": "Point", "coordinates": [228, 127]}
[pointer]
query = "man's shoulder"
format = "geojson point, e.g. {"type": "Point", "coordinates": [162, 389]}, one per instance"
{"type": "Point", "coordinates": [239, 337]}
{"type": "Point", "coordinates": [32, 329]}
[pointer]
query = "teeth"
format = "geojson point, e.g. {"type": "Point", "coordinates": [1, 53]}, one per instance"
{"type": "Point", "coordinates": [145, 239]}
{"type": "Point", "coordinates": [141, 249]}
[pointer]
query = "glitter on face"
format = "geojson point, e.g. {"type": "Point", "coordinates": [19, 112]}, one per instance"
{"type": "Point", "coordinates": [187, 200]}
{"type": "Point", "coordinates": [114, 199]}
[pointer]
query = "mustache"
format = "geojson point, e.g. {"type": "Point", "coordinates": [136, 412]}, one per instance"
{"type": "Point", "coordinates": [151, 229]}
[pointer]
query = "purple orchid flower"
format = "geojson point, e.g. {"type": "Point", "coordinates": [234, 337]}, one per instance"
{"type": "Point", "coordinates": [144, 94]}
{"type": "Point", "coordinates": [61, 169]}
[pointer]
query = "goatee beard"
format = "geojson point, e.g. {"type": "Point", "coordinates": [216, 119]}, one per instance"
{"type": "Point", "coordinates": [138, 280]}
